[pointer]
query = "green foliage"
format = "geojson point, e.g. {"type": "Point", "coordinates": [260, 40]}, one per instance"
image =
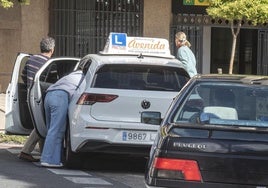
{"type": "Point", "coordinates": [14, 139]}
{"type": "Point", "coordinates": [237, 11]}
{"type": "Point", "coordinates": [255, 11]}
{"type": "Point", "coordinates": [6, 3]}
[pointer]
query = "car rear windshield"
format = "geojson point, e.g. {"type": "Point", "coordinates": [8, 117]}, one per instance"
{"type": "Point", "coordinates": [225, 104]}
{"type": "Point", "coordinates": [140, 77]}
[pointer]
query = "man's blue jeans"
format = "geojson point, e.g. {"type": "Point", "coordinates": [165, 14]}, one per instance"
{"type": "Point", "coordinates": [56, 108]}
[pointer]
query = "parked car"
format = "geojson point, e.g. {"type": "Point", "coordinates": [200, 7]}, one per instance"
{"type": "Point", "coordinates": [125, 91]}
{"type": "Point", "coordinates": [215, 134]}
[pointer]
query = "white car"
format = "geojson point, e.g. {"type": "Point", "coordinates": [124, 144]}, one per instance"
{"type": "Point", "coordinates": [127, 87]}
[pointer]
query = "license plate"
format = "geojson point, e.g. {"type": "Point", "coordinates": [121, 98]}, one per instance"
{"type": "Point", "coordinates": [138, 136]}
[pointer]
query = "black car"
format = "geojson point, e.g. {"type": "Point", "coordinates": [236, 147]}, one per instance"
{"type": "Point", "coordinates": [215, 134]}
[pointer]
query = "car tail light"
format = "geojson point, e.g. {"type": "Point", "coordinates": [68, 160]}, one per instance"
{"type": "Point", "coordinates": [176, 169]}
{"type": "Point", "coordinates": [92, 98]}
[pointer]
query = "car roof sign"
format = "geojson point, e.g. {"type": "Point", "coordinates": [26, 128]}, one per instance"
{"type": "Point", "coordinates": [120, 43]}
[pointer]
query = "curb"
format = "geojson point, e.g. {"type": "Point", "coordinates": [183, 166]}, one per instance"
{"type": "Point", "coordinates": [7, 145]}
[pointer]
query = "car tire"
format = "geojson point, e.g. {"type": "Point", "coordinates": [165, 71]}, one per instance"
{"type": "Point", "coordinates": [71, 159]}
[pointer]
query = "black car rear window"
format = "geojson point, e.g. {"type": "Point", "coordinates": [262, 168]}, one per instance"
{"type": "Point", "coordinates": [140, 77]}
{"type": "Point", "coordinates": [223, 103]}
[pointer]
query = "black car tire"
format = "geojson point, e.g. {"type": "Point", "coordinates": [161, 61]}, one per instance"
{"type": "Point", "coordinates": [71, 159]}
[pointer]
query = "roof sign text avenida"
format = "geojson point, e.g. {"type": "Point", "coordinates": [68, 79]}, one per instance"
{"type": "Point", "coordinates": [120, 43]}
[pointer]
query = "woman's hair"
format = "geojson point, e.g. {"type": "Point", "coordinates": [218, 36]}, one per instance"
{"type": "Point", "coordinates": [181, 36]}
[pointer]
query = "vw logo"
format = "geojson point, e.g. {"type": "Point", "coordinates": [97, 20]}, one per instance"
{"type": "Point", "coordinates": [145, 104]}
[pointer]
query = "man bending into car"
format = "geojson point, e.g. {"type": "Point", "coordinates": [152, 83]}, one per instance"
{"type": "Point", "coordinates": [56, 108]}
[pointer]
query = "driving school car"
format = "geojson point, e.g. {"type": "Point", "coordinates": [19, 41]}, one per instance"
{"type": "Point", "coordinates": [215, 134]}
{"type": "Point", "coordinates": [126, 87]}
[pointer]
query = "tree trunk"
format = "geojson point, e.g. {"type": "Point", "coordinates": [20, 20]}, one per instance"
{"type": "Point", "coordinates": [232, 55]}
{"type": "Point", "coordinates": [235, 34]}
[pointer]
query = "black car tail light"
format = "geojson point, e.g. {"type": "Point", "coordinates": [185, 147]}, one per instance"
{"type": "Point", "coordinates": [176, 169]}
{"type": "Point", "coordinates": [92, 98]}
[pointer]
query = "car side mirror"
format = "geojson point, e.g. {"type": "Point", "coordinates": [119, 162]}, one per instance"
{"type": "Point", "coordinates": [151, 117]}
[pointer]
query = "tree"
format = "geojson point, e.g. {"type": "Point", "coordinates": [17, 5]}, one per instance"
{"type": "Point", "coordinates": [236, 12]}
{"type": "Point", "coordinates": [8, 3]}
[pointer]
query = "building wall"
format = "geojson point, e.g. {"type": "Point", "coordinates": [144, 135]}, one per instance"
{"type": "Point", "coordinates": [10, 29]}
{"type": "Point", "coordinates": [35, 25]}
{"type": "Point", "coordinates": [206, 49]}
{"type": "Point", "coordinates": [21, 28]}
{"type": "Point", "coordinates": [157, 18]}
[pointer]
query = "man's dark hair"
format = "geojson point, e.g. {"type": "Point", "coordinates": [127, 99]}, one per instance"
{"type": "Point", "coordinates": [47, 44]}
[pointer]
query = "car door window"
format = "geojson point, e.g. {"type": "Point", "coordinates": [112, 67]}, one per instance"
{"type": "Point", "coordinates": [54, 72]}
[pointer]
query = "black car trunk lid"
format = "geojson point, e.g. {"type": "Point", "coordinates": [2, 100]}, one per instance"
{"type": "Point", "coordinates": [236, 157]}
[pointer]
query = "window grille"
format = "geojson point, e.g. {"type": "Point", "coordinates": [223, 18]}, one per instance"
{"type": "Point", "coordinates": [81, 27]}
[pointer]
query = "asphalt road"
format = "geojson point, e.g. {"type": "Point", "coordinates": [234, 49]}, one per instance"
{"type": "Point", "coordinates": [99, 171]}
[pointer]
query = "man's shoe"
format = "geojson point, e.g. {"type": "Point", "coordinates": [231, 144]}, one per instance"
{"type": "Point", "coordinates": [51, 165]}
{"type": "Point", "coordinates": [27, 157]}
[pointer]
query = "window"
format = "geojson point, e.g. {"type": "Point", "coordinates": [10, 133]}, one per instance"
{"type": "Point", "coordinates": [225, 104]}
{"type": "Point", "coordinates": [140, 77]}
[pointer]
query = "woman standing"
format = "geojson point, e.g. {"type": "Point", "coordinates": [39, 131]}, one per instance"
{"type": "Point", "coordinates": [185, 54]}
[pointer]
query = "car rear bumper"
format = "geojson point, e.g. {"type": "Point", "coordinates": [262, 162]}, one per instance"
{"type": "Point", "coordinates": [105, 147]}
{"type": "Point", "coordinates": [184, 184]}
{"type": "Point", "coordinates": [111, 141]}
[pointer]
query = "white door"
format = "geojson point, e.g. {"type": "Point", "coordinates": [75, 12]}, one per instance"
{"type": "Point", "coordinates": [18, 120]}
{"type": "Point", "coordinates": [52, 71]}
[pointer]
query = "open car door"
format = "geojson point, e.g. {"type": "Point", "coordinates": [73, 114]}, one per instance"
{"type": "Point", "coordinates": [49, 73]}
{"type": "Point", "coordinates": [18, 119]}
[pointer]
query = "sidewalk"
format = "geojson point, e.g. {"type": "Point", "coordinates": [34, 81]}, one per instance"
{"type": "Point", "coordinates": [2, 112]}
